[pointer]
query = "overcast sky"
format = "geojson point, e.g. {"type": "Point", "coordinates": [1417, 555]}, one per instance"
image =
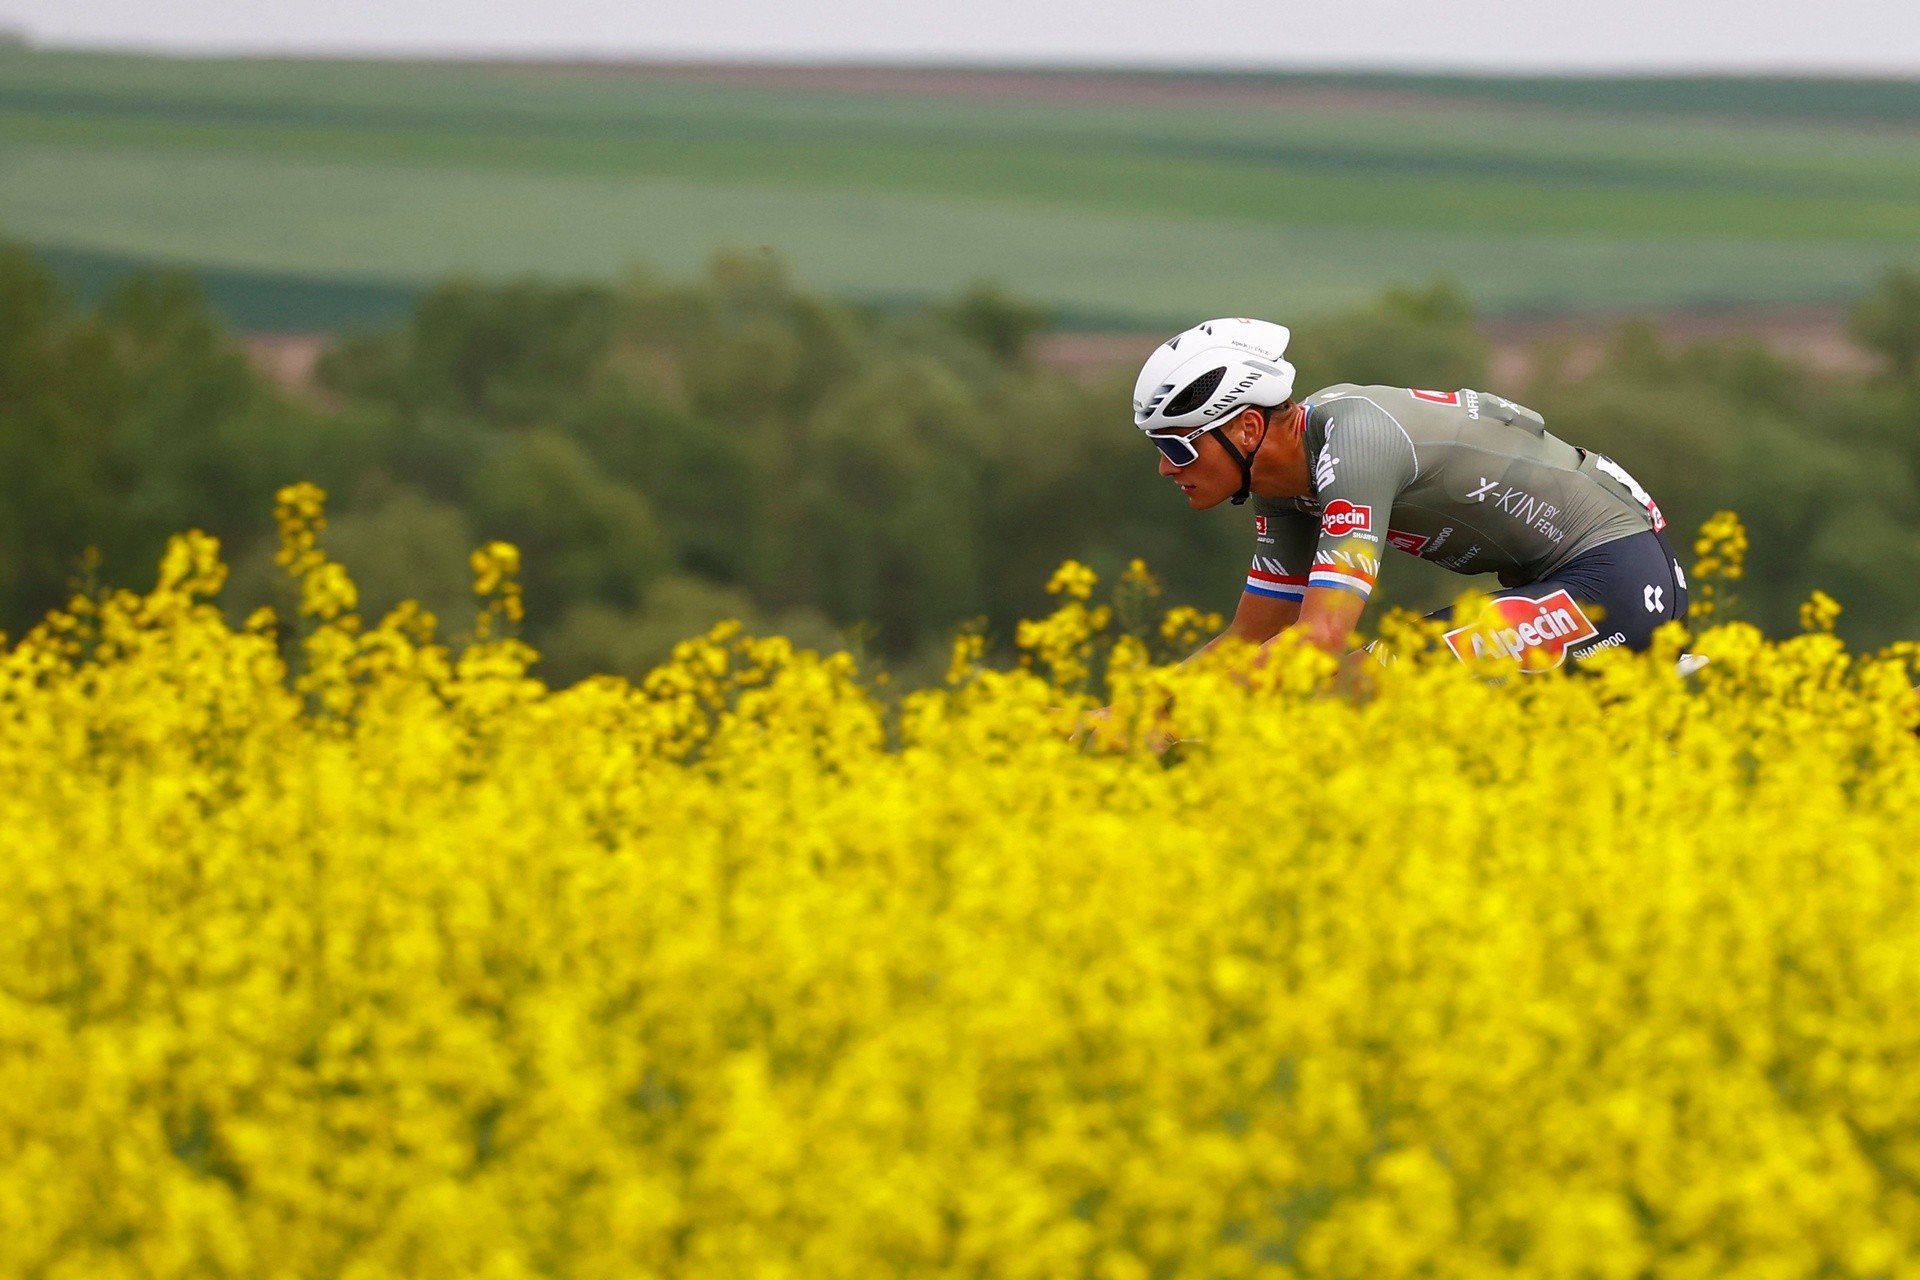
{"type": "Point", "coordinates": [1488, 36]}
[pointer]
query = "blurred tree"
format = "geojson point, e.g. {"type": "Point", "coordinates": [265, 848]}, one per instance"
{"type": "Point", "coordinates": [882, 510]}
{"type": "Point", "coordinates": [53, 497]}
{"type": "Point", "coordinates": [582, 535]}
{"type": "Point", "coordinates": [691, 470]}
{"type": "Point", "coordinates": [592, 638]}
{"type": "Point", "coordinates": [1001, 325]}
{"type": "Point", "coordinates": [1410, 338]}
{"type": "Point", "coordinates": [122, 427]}
{"type": "Point", "coordinates": [406, 546]}
{"type": "Point", "coordinates": [502, 353]}
{"type": "Point", "coordinates": [668, 454]}
{"type": "Point", "coordinates": [759, 349]}
{"type": "Point", "coordinates": [1887, 322]}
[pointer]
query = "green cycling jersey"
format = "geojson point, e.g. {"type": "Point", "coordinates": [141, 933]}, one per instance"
{"type": "Point", "coordinates": [1466, 479]}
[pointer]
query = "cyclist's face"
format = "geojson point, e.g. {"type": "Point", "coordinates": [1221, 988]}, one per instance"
{"type": "Point", "coordinates": [1213, 477]}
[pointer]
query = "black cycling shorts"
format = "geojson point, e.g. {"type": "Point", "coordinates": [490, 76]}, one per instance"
{"type": "Point", "coordinates": [1615, 595]}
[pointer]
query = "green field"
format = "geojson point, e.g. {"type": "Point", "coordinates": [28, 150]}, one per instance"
{"type": "Point", "coordinates": [317, 194]}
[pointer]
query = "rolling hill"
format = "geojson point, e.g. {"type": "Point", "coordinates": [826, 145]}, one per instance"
{"type": "Point", "coordinates": [316, 194]}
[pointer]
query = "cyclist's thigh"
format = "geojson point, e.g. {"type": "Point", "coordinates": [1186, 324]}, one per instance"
{"type": "Point", "coordinates": [1615, 596]}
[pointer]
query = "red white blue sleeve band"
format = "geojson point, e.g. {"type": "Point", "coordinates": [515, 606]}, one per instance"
{"type": "Point", "coordinates": [1341, 580]}
{"type": "Point", "coordinates": [1275, 586]}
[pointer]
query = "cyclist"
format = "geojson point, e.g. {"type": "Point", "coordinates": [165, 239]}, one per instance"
{"type": "Point", "coordinates": [1468, 480]}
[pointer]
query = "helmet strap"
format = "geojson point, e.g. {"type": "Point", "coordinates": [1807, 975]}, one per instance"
{"type": "Point", "coordinates": [1244, 460]}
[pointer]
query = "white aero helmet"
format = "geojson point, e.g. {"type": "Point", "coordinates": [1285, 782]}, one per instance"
{"type": "Point", "coordinates": [1198, 378]}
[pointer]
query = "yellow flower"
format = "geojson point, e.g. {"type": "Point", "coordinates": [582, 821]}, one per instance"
{"type": "Point", "coordinates": [1720, 559]}
{"type": "Point", "coordinates": [1819, 613]}
{"type": "Point", "coordinates": [496, 569]}
{"type": "Point", "coordinates": [1073, 580]}
{"type": "Point", "coordinates": [391, 961]}
{"type": "Point", "coordinates": [1140, 578]}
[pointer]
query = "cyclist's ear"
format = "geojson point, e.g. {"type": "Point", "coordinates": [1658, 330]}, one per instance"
{"type": "Point", "coordinates": [1246, 427]}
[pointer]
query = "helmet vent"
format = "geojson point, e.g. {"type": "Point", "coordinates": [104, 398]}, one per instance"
{"type": "Point", "coordinates": [1196, 393]}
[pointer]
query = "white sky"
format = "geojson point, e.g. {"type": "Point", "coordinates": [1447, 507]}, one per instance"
{"type": "Point", "coordinates": [1483, 36]}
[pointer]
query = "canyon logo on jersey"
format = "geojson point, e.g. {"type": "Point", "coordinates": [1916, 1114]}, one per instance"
{"type": "Point", "coordinates": [1536, 633]}
{"type": "Point", "coordinates": [1342, 518]}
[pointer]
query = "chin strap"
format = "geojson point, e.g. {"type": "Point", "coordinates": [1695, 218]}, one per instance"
{"type": "Point", "coordinates": [1245, 460]}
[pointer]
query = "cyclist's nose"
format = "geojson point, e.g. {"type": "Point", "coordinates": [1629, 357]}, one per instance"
{"type": "Point", "coordinates": [1166, 465]}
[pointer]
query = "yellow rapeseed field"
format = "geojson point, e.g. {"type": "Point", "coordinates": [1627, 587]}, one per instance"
{"type": "Point", "coordinates": [388, 961]}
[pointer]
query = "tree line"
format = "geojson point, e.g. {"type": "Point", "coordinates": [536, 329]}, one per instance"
{"type": "Point", "coordinates": [667, 454]}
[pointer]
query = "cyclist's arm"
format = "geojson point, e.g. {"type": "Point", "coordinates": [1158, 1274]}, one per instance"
{"type": "Point", "coordinates": [1328, 618]}
{"type": "Point", "coordinates": [1368, 460]}
{"type": "Point", "coordinates": [1283, 544]}
{"type": "Point", "coordinates": [1256, 620]}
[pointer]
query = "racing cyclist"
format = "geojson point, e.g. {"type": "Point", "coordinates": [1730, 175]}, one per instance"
{"type": "Point", "coordinates": [1468, 480]}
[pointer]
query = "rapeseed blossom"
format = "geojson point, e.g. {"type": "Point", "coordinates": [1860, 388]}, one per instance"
{"type": "Point", "coordinates": [1720, 561]}
{"type": "Point", "coordinates": [335, 949]}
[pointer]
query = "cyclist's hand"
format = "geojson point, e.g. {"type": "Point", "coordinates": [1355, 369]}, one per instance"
{"type": "Point", "coordinates": [1101, 727]}
{"type": "Point", "coordinates": [1098, 727]}
{"type": "Point", "coordinates": [1161, 742]}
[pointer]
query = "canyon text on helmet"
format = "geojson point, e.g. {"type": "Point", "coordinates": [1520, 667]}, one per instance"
{"type": "Point", "coordinates": [1198, 379]}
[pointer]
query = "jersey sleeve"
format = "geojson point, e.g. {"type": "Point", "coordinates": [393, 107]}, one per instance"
{"type": "Point", "coordinates": [1283, 543]}
{"type": "Point", "coordinates": [1367, 460]}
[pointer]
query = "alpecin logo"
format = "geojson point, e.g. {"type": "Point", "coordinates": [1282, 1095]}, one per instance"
{"type": "Point", "coordinates": [1535, 633]}
{"type": "Point", "coordinates": [1411, 543]}
{"type": "Point", "coordinates": [1324, 469]}
{"type": "Point", "coordinates": [1342, 518]}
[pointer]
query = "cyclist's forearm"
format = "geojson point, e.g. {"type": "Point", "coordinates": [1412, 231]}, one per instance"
{"type": "Point", "coordinates": [1211, 645]}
